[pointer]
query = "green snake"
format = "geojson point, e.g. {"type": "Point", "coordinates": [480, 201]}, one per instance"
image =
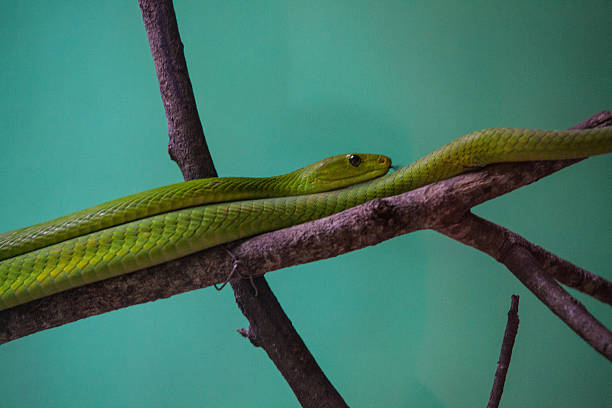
{"type": "Point", "coordinates": [169, 222]}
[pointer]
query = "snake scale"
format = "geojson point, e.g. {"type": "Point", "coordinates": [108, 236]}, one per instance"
{"type": "Point", "coordinates": [159, 225]}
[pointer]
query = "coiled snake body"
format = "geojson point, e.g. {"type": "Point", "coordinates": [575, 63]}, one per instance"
{"type": "Point", "coordinates": [149, 228]}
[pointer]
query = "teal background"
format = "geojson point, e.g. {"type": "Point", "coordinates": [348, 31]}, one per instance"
{"type": "Point", "coordinates": [415, 321]}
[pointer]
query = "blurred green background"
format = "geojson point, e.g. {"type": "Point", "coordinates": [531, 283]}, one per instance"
{"type": "Point", "coordinates": [416, 321]}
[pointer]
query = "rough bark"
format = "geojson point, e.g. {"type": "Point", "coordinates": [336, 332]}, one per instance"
{"type": "Point", "coordinates": [187, 145]}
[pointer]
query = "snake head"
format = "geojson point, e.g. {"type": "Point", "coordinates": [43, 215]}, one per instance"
{"type": "Point", "coordinates": [341, 171]}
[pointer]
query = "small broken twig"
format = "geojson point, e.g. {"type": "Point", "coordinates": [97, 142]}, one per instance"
{"type": "Point", "coordinates": [505, 354]}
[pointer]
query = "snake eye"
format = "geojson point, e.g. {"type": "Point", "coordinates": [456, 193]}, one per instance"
{"type": "Point", "coordinates": [355, 160]}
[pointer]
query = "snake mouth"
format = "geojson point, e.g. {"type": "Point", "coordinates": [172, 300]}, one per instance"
{"type": "Point", "coordinates": [385, 160]}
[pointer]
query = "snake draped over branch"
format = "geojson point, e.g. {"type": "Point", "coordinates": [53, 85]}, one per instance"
{"type": "Point", "coordinates": [159, 225]}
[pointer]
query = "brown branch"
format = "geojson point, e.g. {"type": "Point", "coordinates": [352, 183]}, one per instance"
{"type": "Point", "coordinates": [505, 354]}
{"type": "Point", "coordinates": [493, 239]}
{"type": "Point", "coordinates": [275, 333]}
{"type": "Point", "coordinates": [598, 120]}
{"type": "Point", "coordinates": [269, 326]}
{"type": "Point", "coordinates": [515, 253]}
{"type": "Point", "coordinates": [187, 145]}
{"type": "Point", "coordinates": [524, 266]}
{"type": "Point", "coordinates": [436, 205]}
{"type": "Point", "coordinates": [271, 329]}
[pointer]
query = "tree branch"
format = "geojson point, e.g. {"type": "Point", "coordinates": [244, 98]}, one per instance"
{"type": "Point", "coordinates": [514, 252]}
{"type": "Point", "coordinates": [187, 145]}
{"type": "Point", "coordinates": [494, 238]}
{"type": "Point", "coordinates": [505, 354]}
{"type": "Point", "coordinates": [275, 333]}
{"type": "Point", "coordinates": [524, 266]}
{"type": "Point", "coordinates": [436, 205]}
{"type": "Point", "coordinates": [269, 326]}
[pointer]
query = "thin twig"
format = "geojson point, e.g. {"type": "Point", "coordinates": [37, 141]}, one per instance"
{"type": "Point", "coordinates": [505, 354]}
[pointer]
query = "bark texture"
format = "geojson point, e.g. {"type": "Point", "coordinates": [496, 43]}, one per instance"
{"type": "Point", "coordinates": [187, 145]}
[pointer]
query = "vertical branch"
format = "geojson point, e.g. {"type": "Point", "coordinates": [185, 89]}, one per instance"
{"type": "Point", "coordinates": [505, 354]}
{"type": "Point", "coordinates": [270, 328]}
{"type": "Point", "coordinates": [187, 145]}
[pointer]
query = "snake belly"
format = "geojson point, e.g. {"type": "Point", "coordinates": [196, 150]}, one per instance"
{"type": "Point", "coordinates": [156, 239]}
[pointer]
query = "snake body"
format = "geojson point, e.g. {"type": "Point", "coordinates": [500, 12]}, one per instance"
{"type": "Point", "coordinates": [324, 175]}
{"type": "Point", "coordinates": [143, 242]}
